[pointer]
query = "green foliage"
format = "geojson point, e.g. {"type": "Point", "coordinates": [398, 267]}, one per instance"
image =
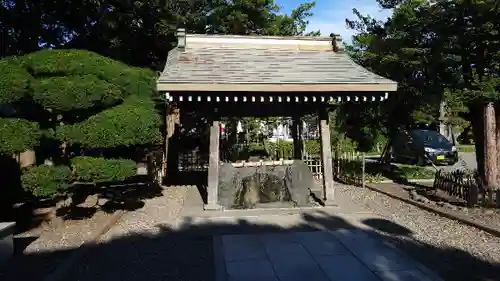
{"type": "Point", "coordinates": [353, 170]}
{"type": "Point", "coordinates": [14, 81]}
{"type": "Point", "coordinates": [18, 135]}
{"type": "Point", "coordinates": [95, 170]}
{"type": "Point", "coordinates": [284, 149]}
{"type": "Point", "coordinates": [134, 122]}
{"type": "Point", "coordinates": [466, 148]}
{"type": "Point", "coordinates": [46, 181]}
{"type": "Point", "coordinates": [446, 54]}
{"type": "Point", "coordinates": [139, 33]}
{"type": "Point", "coordinates": [63, 62]}
{"type": "Point", "coordinates": [57, 87]}
{"type": "Point", "coordinates": [80, 65]}
{"type": "Point", "coordinates": [64, 93]}
{"type": "Point", "coordinates": [294, 24]}
{"type": "Point", "coordinates": [375, 172]}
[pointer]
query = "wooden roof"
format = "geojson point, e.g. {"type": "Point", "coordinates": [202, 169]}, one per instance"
{"type": "Point", "coordinates": [225, 63]}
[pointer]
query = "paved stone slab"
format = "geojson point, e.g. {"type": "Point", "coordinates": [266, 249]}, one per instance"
{"type": "Point", "coordinates": [251, 270]}
{"type": "Point", "coordinates": [345, 268]}
{"type": "Point", "coordinates": [408, 275]}
{"type": "Point", "coordinates": [341, 255]}
{"type": "Point", "coordinates": [320, 243]}
{"type": "Point", "coordinates": [242, 247]}
{"type": "Point", "coordinates": [372, 252]}
{"type": "Point", "coordinates": [291, 261]}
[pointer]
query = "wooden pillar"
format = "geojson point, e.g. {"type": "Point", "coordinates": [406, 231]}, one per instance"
{"type": "Point", "coordinates": [213, 167]}
{"type": "Point", "coordinates": [297, 137]}
{"type": "Point", "coordinates": [172, 118]}
{"type": "Point", "coordinates": [326, 155]}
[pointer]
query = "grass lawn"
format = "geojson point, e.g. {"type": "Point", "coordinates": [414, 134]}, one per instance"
{"type": "Point", "coordinates": [375, 172]}
{"type": "Point", "coordinates": [373, 153]}
{"type": "Point", "coordinates": [466, 148]}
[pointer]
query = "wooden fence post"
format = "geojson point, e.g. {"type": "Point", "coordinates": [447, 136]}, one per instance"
{"type": "Point", "coordinates": [497, 198]}
{"type": "Point", "coordinates": [363, 169]}
{"type": "Point", "coordinates": [473, 195]}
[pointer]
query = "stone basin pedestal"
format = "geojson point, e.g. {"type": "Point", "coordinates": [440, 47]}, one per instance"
{"type": "Point", "coordinates": [247, 185]}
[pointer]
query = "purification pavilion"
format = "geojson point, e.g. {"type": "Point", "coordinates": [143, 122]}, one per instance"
{"type": "Point", "coordinates": [228, 75]}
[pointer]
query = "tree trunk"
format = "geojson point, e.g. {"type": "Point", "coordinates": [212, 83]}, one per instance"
{"type": "Point", "coordinates": [443, 128]}
{"type": "Point", "coordinates": [477, 115]}
{"type": "Point", "coordinates": [497, 136]}
{"type": "Point", "coordinates": [490, 150]}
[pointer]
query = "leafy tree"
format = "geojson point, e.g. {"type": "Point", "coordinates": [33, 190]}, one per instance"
{"type": "Point", "coordinates": [83, 103]}
{"type": "Point", "coordinates": [139, 33]}
{"type": "Point", "coordinates": [444, 52]}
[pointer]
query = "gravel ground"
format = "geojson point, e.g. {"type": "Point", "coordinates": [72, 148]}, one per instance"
{"type": "Point", "coordinates": [489, 217]}
{"type": "Point", "coordinates": [456, 251]}
{"type": "Point", "coordinates": [162, 210]}
{"type": "Point", "coordinates": [51, 249]}
{"type": "Point", "coordinates": [138, 248]}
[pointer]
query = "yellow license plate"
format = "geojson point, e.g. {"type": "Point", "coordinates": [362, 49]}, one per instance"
{"type": "Point", "coordinates": [440, 157]}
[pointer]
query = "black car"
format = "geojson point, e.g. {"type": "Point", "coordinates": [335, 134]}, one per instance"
{"type": "Point", "coordinates": [423, 147]}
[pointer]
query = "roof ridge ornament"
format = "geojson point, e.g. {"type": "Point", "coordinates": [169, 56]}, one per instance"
{"type": "Point", "coordinates": [338, 46]}
{"type": "Point", "coordinates": [181, 39]}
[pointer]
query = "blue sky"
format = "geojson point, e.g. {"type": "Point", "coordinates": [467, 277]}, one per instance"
{"type": "Point", "coordinates": [329, 15]}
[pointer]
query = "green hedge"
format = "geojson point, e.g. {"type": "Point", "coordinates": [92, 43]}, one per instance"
{"type": "Point", "coordinates": [134, 122]}
{"type": "Point", "coordinates": [14, 81]}
{"type": "Point", "coordinates": [65, 93]}
{"type": "Point", "coordinates": [134, 81]}
{"type": "Point", "coordinates": [46, 181]}
{"type": "Point", "coordinates": [18, 135]}
{"type": "Point", "coordinates": [95, 170]}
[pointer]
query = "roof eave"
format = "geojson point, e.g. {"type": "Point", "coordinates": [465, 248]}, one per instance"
{"type": "Point", "coordinates": [252, 87]}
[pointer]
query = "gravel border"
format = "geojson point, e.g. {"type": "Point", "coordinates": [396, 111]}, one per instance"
{"type": "Point", "coordinates": [474, 217]}
{"type": "Point", "coordinates": [455, 251]}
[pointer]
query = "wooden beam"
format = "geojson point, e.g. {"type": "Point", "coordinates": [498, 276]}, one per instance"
{"type": "Point", "coordinates": [213, 168]}
{"type": "Point", "coordinates": [326, 155]}
{"type": "Point", "coordinates": [172, 117]}
{"type": "Point", "coordinates": [297, 136]}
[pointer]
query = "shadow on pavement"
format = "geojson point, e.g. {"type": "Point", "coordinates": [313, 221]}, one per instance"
{"type": "Point", "coordinates": [186, 252]}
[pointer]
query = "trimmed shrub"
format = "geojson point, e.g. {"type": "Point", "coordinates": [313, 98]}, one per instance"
{"type": "Point", "coordinates": [95, 170]}
{"type": "Point", "coordinates": [79, 98]}
{"type": "Point", "coordinates": [46, 181]}
{"type": "Point", "coordinates": [136, 121]}
{"type": "Point", "coordinates": [132, 80]}
{"type": "Point", "coordinates": [18, 135]}
{"type": "Point", "coordinates": [65, 93]}
{"type": "Point", "coordinates": [14, 81]}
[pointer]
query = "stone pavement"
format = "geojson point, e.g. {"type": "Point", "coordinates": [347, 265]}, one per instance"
{"type": "Point", "coordinates": [346, 254]}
